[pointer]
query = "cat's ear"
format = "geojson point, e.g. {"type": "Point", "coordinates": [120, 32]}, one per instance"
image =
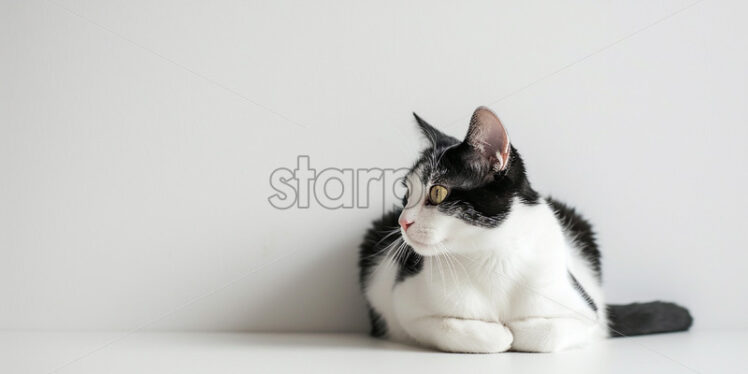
{"type": "Point", "coordinates": [434, 136]}
{"type": "Point", "coordinates": [488, 138]}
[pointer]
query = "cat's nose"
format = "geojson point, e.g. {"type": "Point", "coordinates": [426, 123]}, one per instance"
{"type": "Point", "coordinates": [404, 223]}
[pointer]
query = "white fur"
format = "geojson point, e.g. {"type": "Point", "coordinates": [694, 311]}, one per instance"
{"type": "Point", "coordinates": [488, 290]}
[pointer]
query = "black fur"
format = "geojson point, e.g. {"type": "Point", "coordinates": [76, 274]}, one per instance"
{"type": "Point", "coordinates": [583, 293]}
{"type": "Point", "coordinates": [477, 195]}
{"type": "Point", "coordinates": [647, 318]}
{"type": "Point", "coordinates": [378, 324]}
{"type": "Point", "coordinates": [580, 230]}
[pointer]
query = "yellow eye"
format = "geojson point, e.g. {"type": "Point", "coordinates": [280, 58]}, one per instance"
{"type": "Point", "coordinates": [437, 194]}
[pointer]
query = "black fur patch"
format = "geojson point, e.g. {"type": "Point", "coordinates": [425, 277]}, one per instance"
{"type": "Point", "coordinates": [647, 318]}
{"type": "Point", "coordinates": [378, 324]}
{"type": "Point", "coordinates": [477, 195]}
{"type": "Point", "coordinates": [582, 292]}
{"type": "Point", "coordinates": [580, 230]}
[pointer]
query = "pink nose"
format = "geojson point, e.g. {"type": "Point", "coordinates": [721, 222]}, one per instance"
{"type": "Point", "coordinates": [404, 223]}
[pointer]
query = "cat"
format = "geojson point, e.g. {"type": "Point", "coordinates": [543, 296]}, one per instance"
{"type": "Point", "coordinates": [477, 261]}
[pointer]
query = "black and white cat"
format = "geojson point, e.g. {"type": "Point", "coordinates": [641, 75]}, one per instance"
{"type": "Point", "coordinates": [478, 261]}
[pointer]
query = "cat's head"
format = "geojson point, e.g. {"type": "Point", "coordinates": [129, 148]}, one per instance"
{"type": "Point", "coordinates": [458, 191]}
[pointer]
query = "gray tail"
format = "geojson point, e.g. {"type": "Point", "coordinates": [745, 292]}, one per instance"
{"type": "Point", "coordinates": [647, 318]}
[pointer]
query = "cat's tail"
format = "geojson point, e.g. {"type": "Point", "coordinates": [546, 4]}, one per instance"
{"type": "Point", "coordinates": [647, 318]}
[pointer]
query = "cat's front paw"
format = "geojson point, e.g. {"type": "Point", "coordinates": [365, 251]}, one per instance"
{"type": "Point", "coordinates": [473, 336]}
{"type": "Point", "coordinates": [550, 334]}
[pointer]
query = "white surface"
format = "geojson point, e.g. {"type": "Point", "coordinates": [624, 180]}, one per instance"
{"type": "Point", "coordinates": [20, 353]}
{"type": "Point", "coordinates": [134, 161]}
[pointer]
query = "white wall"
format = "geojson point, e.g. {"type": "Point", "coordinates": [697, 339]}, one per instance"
{"type": "Point", "coordinates": [137, 139]}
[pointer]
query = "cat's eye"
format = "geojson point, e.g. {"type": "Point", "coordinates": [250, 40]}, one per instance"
{"type": "Point", "coordinates": [437, 194]}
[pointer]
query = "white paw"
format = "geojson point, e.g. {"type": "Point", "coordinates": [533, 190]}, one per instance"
{"type": "Point", "coordinates": [473, 336]}
{"type": "Point", "coordinates": [549, 334]}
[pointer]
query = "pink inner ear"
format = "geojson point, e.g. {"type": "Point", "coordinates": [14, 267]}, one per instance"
{"type": "Point", "coordinates": [488, 136]}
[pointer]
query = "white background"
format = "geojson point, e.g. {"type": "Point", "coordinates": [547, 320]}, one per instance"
{"type": "Point", "coordinates": [137, 139]}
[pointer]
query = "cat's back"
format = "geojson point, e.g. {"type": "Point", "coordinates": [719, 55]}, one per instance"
{"type": "Point", "coordinates": [579, 229]}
